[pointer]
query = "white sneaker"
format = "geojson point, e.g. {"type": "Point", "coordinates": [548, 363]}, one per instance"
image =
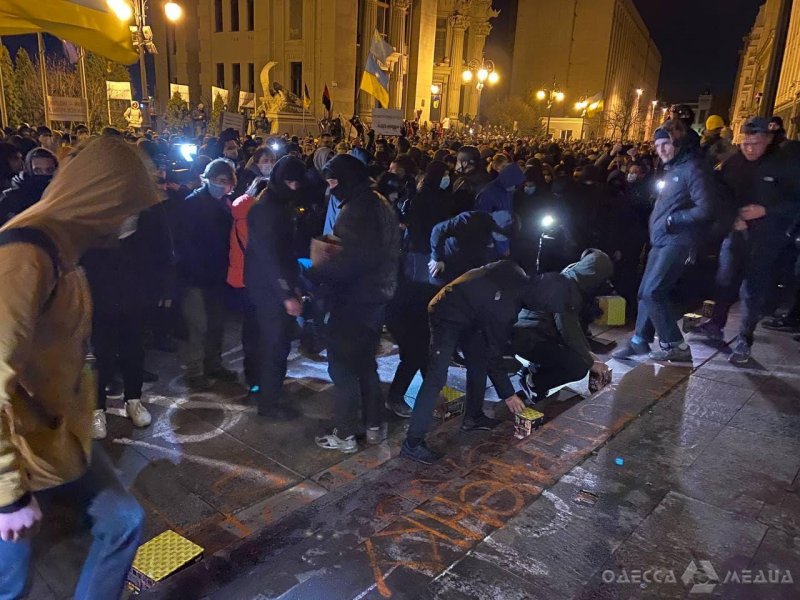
{"type": "Point", "coordinates": [332, 441]}
{"type": "Point", "coordinates": [99, 425]}
{"type": "Point", "coordinates": [138, 413]}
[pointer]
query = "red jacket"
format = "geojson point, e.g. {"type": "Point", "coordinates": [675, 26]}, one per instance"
{"type": "Point", "coordinates": [241, 206]}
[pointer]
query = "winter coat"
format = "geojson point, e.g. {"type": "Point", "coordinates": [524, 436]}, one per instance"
{"type": "Point", "coordinates": [204, 239]}
{"type": "Point", "coordinates": [497, 198]}
{"type": "Point", "coordinates": [46, 395]}
{"type": "Point", "coordinates": [430, 207]}
{"type": "Point", "coordinates": [238, 242]}
{"type": "Point", "coordinates": [464, 242]}
{"type": "Point", "coordinates": [25, 191]}
{"type": "Point", "coordinates": [687, 196]}
{"type": "Point", "coordinates": [466, 188]}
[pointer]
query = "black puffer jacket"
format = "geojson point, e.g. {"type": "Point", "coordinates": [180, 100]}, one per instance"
{"type": "Point", "coordinates": [687, 196]}
{"type": "Point", "coordinates": [25, 191]}
{"type": "Point", "coordinates": [365, 270]}
{"type": "Point", "coordinates": [466, 188]}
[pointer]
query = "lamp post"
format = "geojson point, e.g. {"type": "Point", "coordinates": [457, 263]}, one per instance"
{"type": "Point", "coordinates": [174, 13]}
{"type": "Point", "coordinates": [483, 72]}
{"type": "Point", "coordinates": [651, 126]}
{"type": "Point", "coordinates": [639, 92]}
{"type": "Point", "coordinates": [552, 96]}
{"type": "Point", "coordinates": [582, 105]}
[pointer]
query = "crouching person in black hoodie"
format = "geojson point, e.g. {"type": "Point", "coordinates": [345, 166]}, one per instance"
{"type": "Point", "coordinates": [477, 312]}
{"type": "Point", "coordinates": [361, 278]}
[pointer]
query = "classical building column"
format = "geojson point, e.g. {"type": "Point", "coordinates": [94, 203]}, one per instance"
{"type": "Point", "coordinates": [458, 25]}
{"type": "Point", "coordinates": [397, 38]}
{"type": "Point", "coordinates": [478, 31]}
{"type": "Point", "coordinates": [368, 20]}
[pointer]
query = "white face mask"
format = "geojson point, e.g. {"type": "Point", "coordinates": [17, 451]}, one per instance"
{"type": "Point", "coordinates": [445, 183]}
{"type": "Point", "coordinates": [128, 227]}
{"type": "Point", "coordinates": [631, 177]}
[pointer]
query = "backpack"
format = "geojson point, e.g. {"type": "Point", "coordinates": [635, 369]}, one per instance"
{"type": "Point", "coordinates": [35, 237]}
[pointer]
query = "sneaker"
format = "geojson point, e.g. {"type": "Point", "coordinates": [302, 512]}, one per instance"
{"type": "Point", "coordinates": [99, 425]}
{"type": "Point", "coordinates": [741, 352]}
{"type": "Point", "coordinates": [631, 349]}
{"type": "Point", "coordinates": [481, 423]}
{"type": "Point", "coordinates": [332, 441]}
{"type": "Point", "coordinates": [527, 389]}
{"type": "Point", "coordinates": [376, 435]}
{"type": "Point", "coordinates": [421, 454]}
{"type": "Point", "coordinates": [400, 408]}
{"type": "Point", "coordinates": [223, 374]}
{"type": "Point", "coordinates": [681, 353]}
{"type": "Point", "coordinates": [114, 389]}
{"type": "Point", "coordinates": [787, 324]}
{"type": "Point", "coordinates": [138, 413]}
{"type": "Point", "coordinates": [709, 331]}
{"type": "Point", "coordinates": [197, 383]}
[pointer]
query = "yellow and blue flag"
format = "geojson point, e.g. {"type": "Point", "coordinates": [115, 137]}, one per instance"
{"type": "Point", "coordinates": [375, 81]}
{"type": "Point", "coordinates": [379, 48]}
{"type": "Point", "coordinates": [91, 24]}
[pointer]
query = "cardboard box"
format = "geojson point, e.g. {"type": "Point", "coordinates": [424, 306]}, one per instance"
{"type": "Point", "coordinates": [322, 248]}
{"type": "Point", "coordinates": [526, 422]}
{"type": "Point", "coordinates": [451, 404]}
{"type": "Point", "coordinates": [164, 555]}
{"type": "Point", "coordinates": [613, 308]}
{"type": "Point", "coordinates": [690, 321]}
{"type": "Point", "coordinates": [708, 308]}
{"type": "Point", "coordinates": [597, 381]}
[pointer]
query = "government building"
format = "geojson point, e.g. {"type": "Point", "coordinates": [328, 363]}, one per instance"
{"type": "Point", "coordinates": [295, 45]}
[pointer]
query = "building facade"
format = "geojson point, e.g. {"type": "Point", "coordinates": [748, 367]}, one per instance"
{"type": "Point", "coordinates": [588, 49]}
{"type": "Point", "coordinates": [318, 43]}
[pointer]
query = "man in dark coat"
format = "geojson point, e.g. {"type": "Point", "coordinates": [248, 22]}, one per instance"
{"type": "Point", "coordinates": [272, 282]}
{"type": "Point", "coordinates": [471, 178]}
{"type": "Point", "coordinates": [362, 278]}
{"type": "Point", "coordinates": [27, 187]}
{"type": "Point", "coordinates": [462, 243]}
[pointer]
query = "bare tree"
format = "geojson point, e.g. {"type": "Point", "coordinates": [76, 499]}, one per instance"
{"type": "Point", "coordinates": [624, 118]}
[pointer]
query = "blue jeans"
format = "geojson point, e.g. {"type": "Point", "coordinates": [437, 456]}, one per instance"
{"type": "Point", "coordinates": [116, 528]}
{"type": "Point", "coordinates": [665, 265]}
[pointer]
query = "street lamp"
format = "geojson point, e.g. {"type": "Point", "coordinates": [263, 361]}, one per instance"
{"type": "Point", "coordinates": [174, 13]}
{"type": "Point", "coordinates": [482, 70]}
{"type": "Point", "coordinates": [552, 96]}
{"type": "Point", "coordinates": [582, 106]}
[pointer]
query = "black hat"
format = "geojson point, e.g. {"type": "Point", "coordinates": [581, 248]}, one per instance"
{"type": "Point", "coordinates": [756, 125]}
{"type": "Point", "coordinates": [661, 134]}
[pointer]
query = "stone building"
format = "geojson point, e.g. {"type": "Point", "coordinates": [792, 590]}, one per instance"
{"type": "Point", "coordinates": [314, 43]}
{"type": "Point", "coordinates": [587, 49]}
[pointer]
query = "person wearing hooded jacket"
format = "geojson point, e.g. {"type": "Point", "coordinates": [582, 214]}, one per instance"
{"type": "Point", "coordinates": [471, 177]}
{"type": "Point", "coordinates": [27, 187]}
{"type": "Point", "coordinates": [272, 280]}
{"type": "Point", "coordinates": [555, 343]}
{"type": "Point", "coordinates": [681, 214]}
{"type": "Point", "coordinates": [497, 199]}
{"type": "Point", "coordinates": [46, 392]}
{"type": "Point", "coordinates": [361, 278]}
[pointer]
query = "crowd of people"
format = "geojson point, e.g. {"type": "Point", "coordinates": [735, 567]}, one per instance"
{"type": "Point", "coordinates": [466, 249]}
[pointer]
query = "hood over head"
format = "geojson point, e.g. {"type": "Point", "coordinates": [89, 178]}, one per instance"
{"type": "Point", "coordinates": [288, 168]}
{"type": "Point", "coordinates": [351, 174]}
{"type": "Point", "coordinates": [592, 270]}
{"type": "Point", "coordinates": [95, 189]}
{"type": "Point", "coordinates": [510, 176]}
{"type": "Point", "coordinates": [434, 173]}
{"type": "Point", "coordinates": [551, 292]}
{"type": "Point", "coordinates": [321, 156]}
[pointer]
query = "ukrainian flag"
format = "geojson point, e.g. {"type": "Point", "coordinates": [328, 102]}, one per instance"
{"type": "Point", "coordinates": [375, 81]}
{"type": "Point", "coordinates": [88, 23]}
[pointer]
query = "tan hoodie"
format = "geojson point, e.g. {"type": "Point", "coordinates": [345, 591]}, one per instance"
{"type": "Point", "coordinates": [46, 397]}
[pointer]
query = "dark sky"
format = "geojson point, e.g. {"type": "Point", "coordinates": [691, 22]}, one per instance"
{"type": "Point", "coordinates": [699, 42]}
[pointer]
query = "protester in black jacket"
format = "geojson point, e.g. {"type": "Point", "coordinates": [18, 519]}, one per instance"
{"type": "Point", "coordinates": [462, 243]}
{"type": "Point", "coordinates": [684, 207]}
{"type": "Point", "coordinates": [471, 178]}
{"type": "Point", "coordinates": [362, 278]}
{"type": "Point", "coordinates": [476, 312]}
{"type": "Point", "coordinates": [272, 277]}
{"type": "Point", "coordinates": [27, 187]}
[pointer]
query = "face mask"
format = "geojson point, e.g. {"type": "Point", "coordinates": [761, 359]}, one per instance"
{"type": "Point", "coordinates": [530, 190]}
{"type": "Point", "coordinates": [265, 169]}
{"type": "Point", "coordinates": [41, 181]}
{"type": "Point", "coordinates": [128, 227]}
{"type": "Point", "coordinates": [632, 178]}
{"type": "Point", "coordinates": [445, 183]}
{"type": "Point", "coordinates": [217, 191]}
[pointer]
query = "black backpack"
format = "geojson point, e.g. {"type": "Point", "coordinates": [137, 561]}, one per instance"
{"type": "Point", "coordinates": [35, 237]}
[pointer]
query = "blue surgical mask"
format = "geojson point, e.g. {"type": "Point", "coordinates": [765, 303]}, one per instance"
{"type": "Point", "coordinates": [530, 190]}
{"type": "Point", "coordinates": [216, 190]}
{"type": "Point", "coordinates": [445, 183]}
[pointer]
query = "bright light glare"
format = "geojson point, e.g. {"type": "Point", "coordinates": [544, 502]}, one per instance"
{"type": "Point", "coordinates": [639, 92]}
{"type": "Point", "coordinates": [482, 74]}
{"type": "Point", "coordinates": [594, 105]}
{"type": "Point", "coordinates": [493, 77]}
{"type": "Point", "coordinates": [467, 76]}
{"type": "Point", "coordinates": [188, 152]}
{"type": "Point", "coordinates": [173, 11]}
{"type": "Point", "coordinates": [559, 96]}
{"type": "Point", "coordinates": [548, 221]}
{"type": "Point", "coordinates": [121, 8]}
{"type": "Point", "coordinates": [540, 95]}
{"type": "Point", "coordinates": [654, 102]}
{"type": "Point", "coordinates": [580, 105]}
{"type": "Point", "coordinates": [275, 146]}
{"type": "Point", "coordinates": [435, 89]}
{"type": "Point", "coordinates": [660, 185]}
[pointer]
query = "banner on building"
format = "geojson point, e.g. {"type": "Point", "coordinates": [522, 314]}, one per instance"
{"type": "Point", "coordinates": [387, 121]}
{"type": "Point", "coordinates": [231, 120]}
{"type": "Point", "coordinates": [177, 88]}
{"type": "Point", "coordinates": [119, 90]}
{"type": "Point", "coordinates": [217, 91]}
{"type": "Point", "coordinates": [247, 100]}
{"type": "Point", "coordinates": [62, 108]}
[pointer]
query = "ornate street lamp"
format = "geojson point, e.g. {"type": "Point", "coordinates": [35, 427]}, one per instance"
{"type": "Point", "coordinates": [552, 95]}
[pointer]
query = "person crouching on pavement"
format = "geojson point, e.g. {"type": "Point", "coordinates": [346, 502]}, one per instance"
{"type": "Point", "coordinates": [476, 312]}
{"type": "Point", "coordinates": [555, 343]}
{"type": "Point", "coordinates": [46, 393]}
{"type": "Point", "coordinates": [362, 278]}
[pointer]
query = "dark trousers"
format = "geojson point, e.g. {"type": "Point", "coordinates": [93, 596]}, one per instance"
{"type": "Point", "coordinates": [203, 311]}
{"type": "Point", "coordinates": [745, 272]}
{"type": "Point", "coordinates": [274, 342]}
{"type": "Point", "coordinates": [665, 265]}
{"type": "Point", "coordinates": [552, 365]}
{"type": "Point", "coordinates": [355, 332]}
{"type": "Point", "coordinates": [244, 306]}
{"type": "Point", "coordinates": [445, 338]}
{"type": "Point", "coordinates": [413, 342]}
{"type": "Point", "coordinates": [118, 341]}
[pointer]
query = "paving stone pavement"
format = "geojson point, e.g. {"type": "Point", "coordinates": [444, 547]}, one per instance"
{"type": "Point", "coordinates": [710, 472]}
